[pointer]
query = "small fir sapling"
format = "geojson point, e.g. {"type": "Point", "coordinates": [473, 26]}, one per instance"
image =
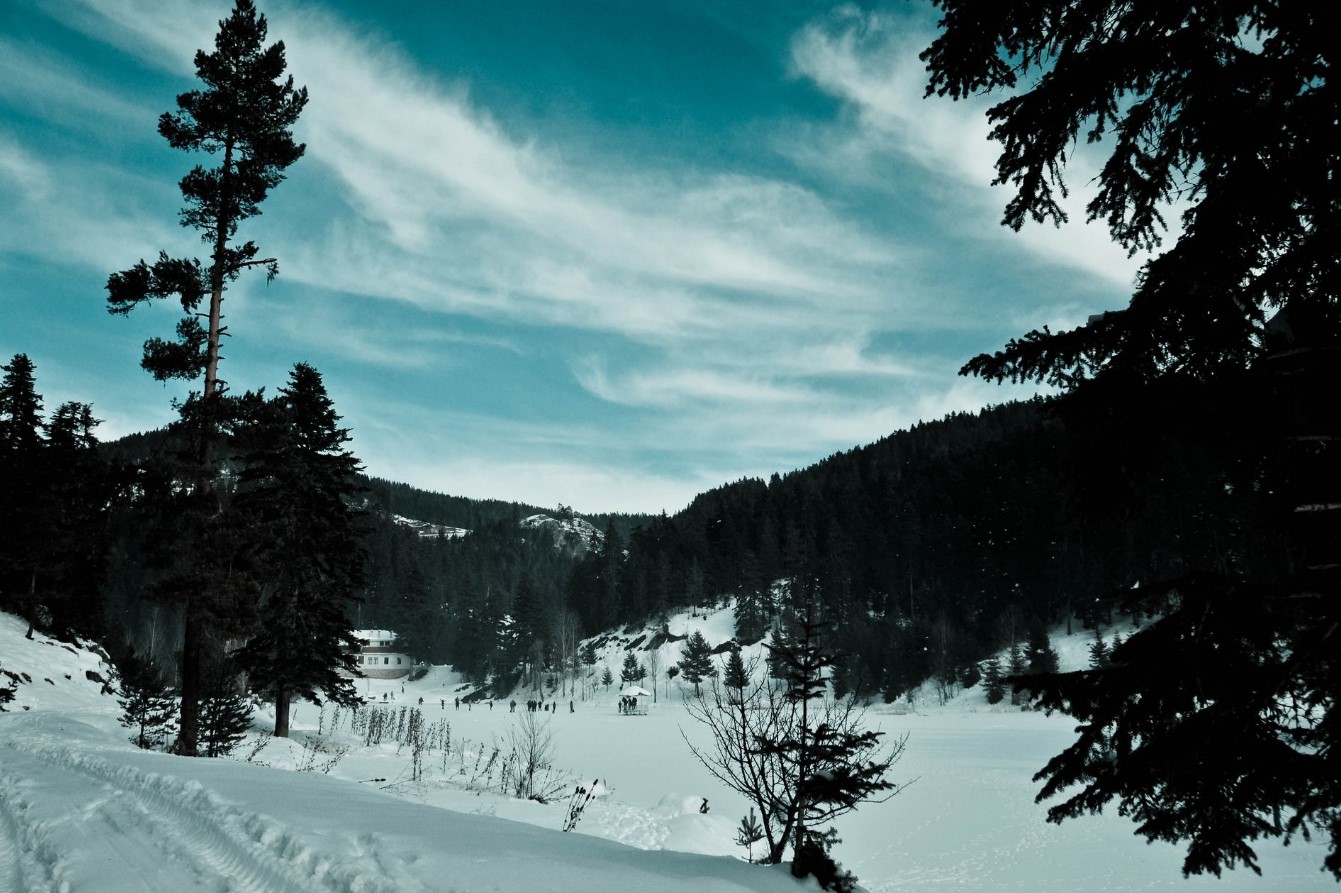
{"type": "Point", "coordinates": [225, 712]}
{"type": "Point", "coordinates": [148, 707]}
{"type": "Point", "coordinates": [735, 677]}
{"type": "Point", "coordinates": [1098, 651]}
{"type": "Point", "coordinates": [748, 833]}
{"type": "Point", "coordinates": [993, 687]}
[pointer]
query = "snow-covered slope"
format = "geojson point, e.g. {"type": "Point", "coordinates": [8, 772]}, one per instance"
{"type": "Point", "coordinates": [571, 534]}
{"type": "Point", "coordinates": [82, 811]}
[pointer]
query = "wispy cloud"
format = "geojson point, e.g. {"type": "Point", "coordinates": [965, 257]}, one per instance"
{"type": "Point", "coordinates": [45, 82]}
{"type": "Point", "coordinates": [870, 61]}
{"type": "Point", "coordinates": [69, 212]}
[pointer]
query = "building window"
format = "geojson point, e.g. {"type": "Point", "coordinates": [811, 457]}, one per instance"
{"type": "Point", "coordinates": [398, 661]}
{"type": "Point", "coordinates": [385, 661]}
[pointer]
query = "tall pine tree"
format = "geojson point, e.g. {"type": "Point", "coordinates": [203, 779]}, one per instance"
{"type": "Point", "coordinates": [296, 502]}
{"type": "Point", "coordinates": [1217, 719]}
{"type": "Point", "coordinates": [23, 503]}
{"type": "Point", "coordinates": [242, 121]}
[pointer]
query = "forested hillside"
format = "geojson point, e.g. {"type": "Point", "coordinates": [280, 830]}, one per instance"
{"type": "Point", "coordinates": [936, 546]}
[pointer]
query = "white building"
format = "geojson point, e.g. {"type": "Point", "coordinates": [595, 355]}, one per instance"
{"type": "Point", "coordinates": [381, 656]}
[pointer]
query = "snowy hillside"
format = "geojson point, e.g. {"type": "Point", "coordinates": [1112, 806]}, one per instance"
{"type": "Point", "coordinates": [427, 530]}
{"type": "Point", "coordinates": [572, 534]}
{"type": "Point", "coordinates": [84, 812]}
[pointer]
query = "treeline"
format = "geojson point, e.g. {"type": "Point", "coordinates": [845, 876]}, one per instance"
{"type": "Point", "coordinates": [55, 494]}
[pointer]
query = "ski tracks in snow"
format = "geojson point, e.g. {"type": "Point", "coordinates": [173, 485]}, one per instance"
{"type": "Point", "coordinates": [71, 822]}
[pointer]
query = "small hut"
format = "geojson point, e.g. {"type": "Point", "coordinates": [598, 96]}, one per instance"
{"type": "Point", "coordinates": [631, 701]}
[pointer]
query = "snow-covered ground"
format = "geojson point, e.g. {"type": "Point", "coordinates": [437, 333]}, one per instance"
{"type": "Point", "coordinates": [81, 810]}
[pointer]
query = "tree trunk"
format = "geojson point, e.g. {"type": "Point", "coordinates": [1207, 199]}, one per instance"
{"type": "Point", "coordinates": [282, 713]}
{"type": "Point", "coordinates": [188, 735]}
{"type": "Point", "coordinates": [188, 729]}
{"type": "Point", "coordinates": [32, 603]}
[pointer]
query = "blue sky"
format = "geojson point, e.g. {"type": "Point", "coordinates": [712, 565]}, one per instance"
{"type": "Point", "coordinates": [606, 254]}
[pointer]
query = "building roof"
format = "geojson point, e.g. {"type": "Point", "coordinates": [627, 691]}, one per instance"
{"type": "Point", "coordinates": [375, 635]}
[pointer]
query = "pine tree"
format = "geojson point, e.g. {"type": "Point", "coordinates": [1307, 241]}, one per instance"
{"type": "Point", "coordinates": [242, 119]}
{"type": "Point", "coordinates": [632, 671]}
{"type": "Point", "coordinates": [777, 644]}
{"type": "Point", "coordinates": [735, 677]}
{"type": "Point", "coordinates": [148, 708]}
{"type": "Point", "coordinates": [748, 833]}
{"type": "Point", "coordinates": [24, 508]}
{"type": "Point", "coordinates": [1098, 650]}
{"type": "Point", "coordinates": [607, 678]}
{"type": "Point", "coordinates": [831, 761]}
{"type": "Point", "coordinates": [528, 611]}
{"type": "Point", "coordinates": [992, 685]}
{"type": "Point", "coordinates": [225, 710]}
{"type": "Point", "coordinates": [1042, 659]}
{"type": "Point", "coordinates": [296, 504]}
{"type": "Point", "coordinates": [696, 660]}
{"type": "Point", "coordinates": [1216, 718]}
{"type": "Point", "coordinates": [752, 610]}
{"type": "Point", "coordinates": [1015, 668]}
{"type": "Point", "coordinates": [20, 409]}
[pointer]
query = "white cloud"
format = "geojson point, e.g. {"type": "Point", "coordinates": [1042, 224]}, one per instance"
{"type": "Point", "coordinates": [68, 212]}
{"type": "Point", "coordinates": [870, 61]}
{"type": "Point", "coordinates": [45, 82]}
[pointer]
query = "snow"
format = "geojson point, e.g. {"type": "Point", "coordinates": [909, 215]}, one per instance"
{"type": "Point", "coordinates": [429, 530]}
{"type": "Point", "coordinates": [574, 534]}
{"type": "Point", "coordinates": [82, 811]}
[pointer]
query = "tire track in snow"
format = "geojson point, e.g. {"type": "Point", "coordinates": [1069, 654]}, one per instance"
{"type": "Point", "coordinates": [26, 861]}
{"type": "Point", "coordinates": [194, 827]}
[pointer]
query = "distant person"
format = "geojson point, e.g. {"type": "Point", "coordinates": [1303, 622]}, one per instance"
{"type": "Point", "coordinates": [457, 701]}
{"type": "Point", "coordinates": [571, 708]}
{"type": "Point", "coordinates": [512, 706]}
{"type": "Point", "coordinates": [444, 703]}
{"type": "Point", "coordinates": [421, 702]}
